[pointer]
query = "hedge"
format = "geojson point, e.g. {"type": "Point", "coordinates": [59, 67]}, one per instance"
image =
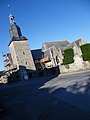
{"type": "Point", "coordinates": [68, 56]}
{"type": "Point", "coordinates": [85, 48]}
{"type": "Point", "coordinates": [85, 51]}
{"type": "Point", "coordinates": [68, 60]}
{"type": "Point", "coordinates": [86, 57]}
{"type": "Point", "coordinates": [68, 53]}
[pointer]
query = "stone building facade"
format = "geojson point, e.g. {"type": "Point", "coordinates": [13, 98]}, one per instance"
{"type": "Point", "coordinates": [19, 48]}
{"type": "Point", "coordinates": [55, 53]}
{"type": "Point", "coordinates": [21, 61]}
{"type": "Point", "coordinates": [20, 52]}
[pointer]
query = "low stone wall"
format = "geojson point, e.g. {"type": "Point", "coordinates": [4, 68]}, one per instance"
{"type": "Point", "coordinates": [44, 72]}
{"type": "Point", "coordinates": [74, 67]}
{"type": "Point", "coordinates": [78, 65]}
{"type": "Point", "coordinates": [24, 74]}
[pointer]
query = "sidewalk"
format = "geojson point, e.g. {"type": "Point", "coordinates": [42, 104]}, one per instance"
{"type": "Point", "coordinates": [76, 72]}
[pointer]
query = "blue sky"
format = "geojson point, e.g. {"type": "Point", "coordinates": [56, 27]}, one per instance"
{"type": "Point", "coordinates": [45, 20]}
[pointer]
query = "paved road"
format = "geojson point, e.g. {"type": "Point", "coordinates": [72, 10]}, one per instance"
{"type": "Point", "coordinates": [48, 98]}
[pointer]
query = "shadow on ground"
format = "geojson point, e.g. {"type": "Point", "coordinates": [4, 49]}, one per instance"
{"type": "Point", "coordinates": [28, 101]}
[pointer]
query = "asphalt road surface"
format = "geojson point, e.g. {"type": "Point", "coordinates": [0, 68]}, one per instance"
{"type": "Point", "coordinates": [63, 97]}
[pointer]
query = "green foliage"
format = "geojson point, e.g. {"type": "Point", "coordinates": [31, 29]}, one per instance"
{"type": "Point", "coordinates": [85, 51]}
{"type": "Point", "coordinates": [86, 57]}
{"type": "Point", "coordinates": [68, 60]}
{"type": "Point", "coordinates": [68, 53]}
{"type": "Point", "coordinates": [85, 48]}
{"type": "Point", "coordinates": [68, 56]}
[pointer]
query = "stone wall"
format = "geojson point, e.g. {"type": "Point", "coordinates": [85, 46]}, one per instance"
{"type": "Point", "coordinates": [21, 54]}
{"type": "Point", "coordinates": [78, 65]}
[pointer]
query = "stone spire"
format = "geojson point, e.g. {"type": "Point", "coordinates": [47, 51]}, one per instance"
{"type": "Point", "coordinates": [11, 17]}
{"type": "Point", "coordinates": [19, 49]}
{"type": "Point", "coordinates": [14, 30]}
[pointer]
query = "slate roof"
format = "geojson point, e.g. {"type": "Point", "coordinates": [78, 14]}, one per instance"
{"type": "Point", "coordinates": [77, 42]}
{"type": "Point", "coordinates": [69, 46]}
{"type": "Point", "coordinates": [21, 38]}
{"type": "Point", "coordinates": [37, 53]}
{"type": "Point", "coordinates": [1, 73]}
{"type": "Point", "coordinates": [57, 44]}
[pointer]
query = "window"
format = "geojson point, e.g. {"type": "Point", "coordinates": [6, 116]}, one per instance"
{"type": "Point", "coordinates": [23, 53]}
{"type": "Point", "coordinates": [26, 62]}
{"type": "Point", "coordinates": [57, 60]}
{"type": "Point", "coordinates": [52, 52]}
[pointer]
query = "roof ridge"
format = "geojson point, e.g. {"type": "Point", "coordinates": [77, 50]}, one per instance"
{"type": "Point", "coordinates": [56, 41]}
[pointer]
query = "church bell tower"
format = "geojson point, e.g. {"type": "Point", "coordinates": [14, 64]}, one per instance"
{"type": "Point", "coordinates": [19, 48]}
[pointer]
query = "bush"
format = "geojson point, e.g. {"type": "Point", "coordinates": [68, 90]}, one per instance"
{"type": "Point", "coordinates": [68, 60]}
{"type": "Point", "coordinates": [86, 57]}
{"type": "Point", "coordinates": [68, 56]}
{"type": "Point", "coordinates": [85, 51]}
{"type": "Point", "coordinates": [85, 48]}
{"type": "Point", "coordinates": [68, 53]}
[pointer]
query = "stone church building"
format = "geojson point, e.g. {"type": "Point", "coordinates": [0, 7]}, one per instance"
{"type": "Point", "coordinates": [21, 60]}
